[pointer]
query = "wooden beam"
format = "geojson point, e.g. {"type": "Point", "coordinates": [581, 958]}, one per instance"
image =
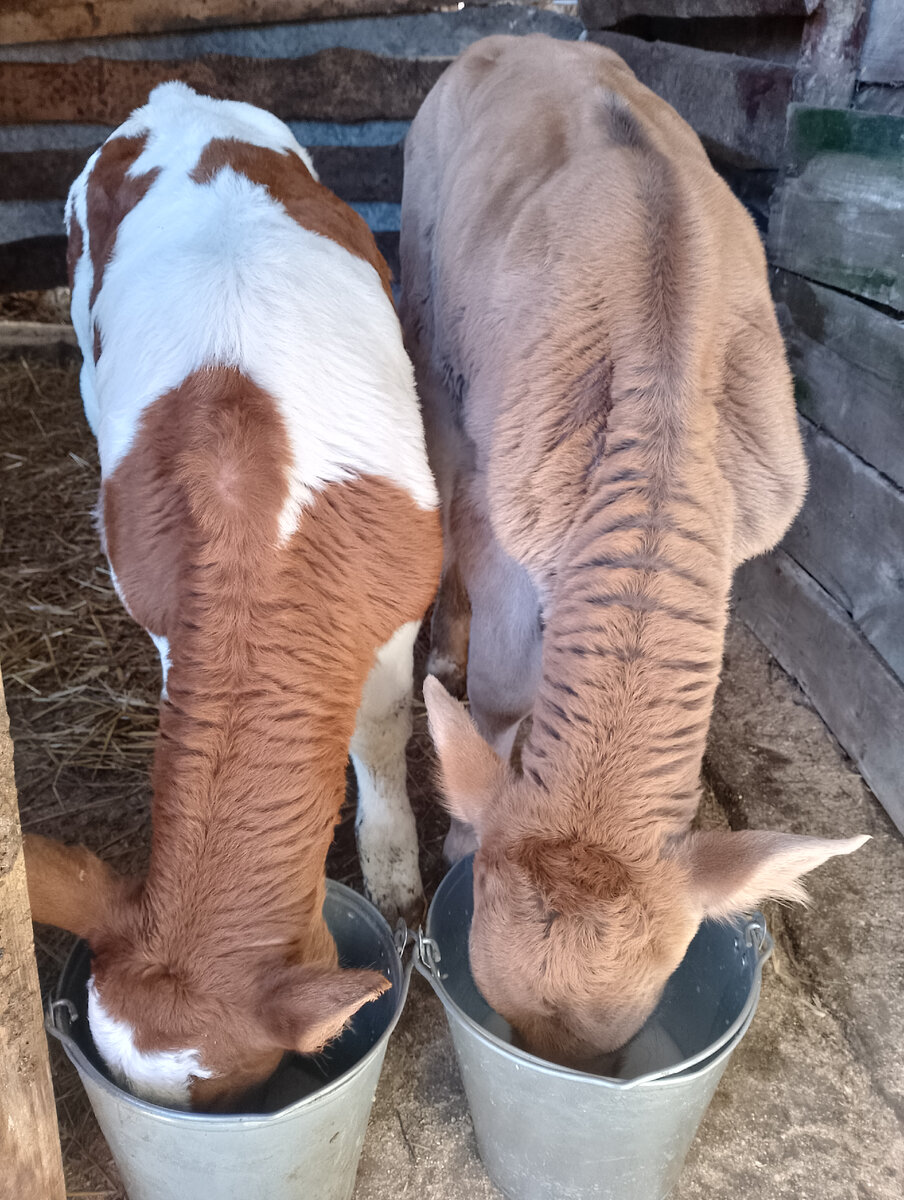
{"type": "Point", "coordinates": [838, 217]}
{"type": "Point", "coordinates": [849, 536]}
{"type": "Point", "coordinates": [31, 1167]}
{"type": "Point", "coordinates": [56, 342]}
{"type": "Point", "coordinates": [883, 51]}
{"type": "Point", "coordinates": [830, 53]}
{"type": "Point", "coordinates": [848, 364]}
{"type": "Point", "coordinates": [602, 14]}
{"type": "Point", "coordinates": [58, 20]}
{"type": "Point", "coordinates": [333, 85]}
{"type": "Point", "coordinates": [854, 692]}
{"type": "Point", "coordinates": [737, 105]}
{"type": "Point", "coordinates": [352, 172]}
{"type": "Point", "coordinates": [33, 263]}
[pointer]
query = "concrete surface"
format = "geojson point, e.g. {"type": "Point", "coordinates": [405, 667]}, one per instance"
{"type": "Point", "coordinates": [810, 1107]}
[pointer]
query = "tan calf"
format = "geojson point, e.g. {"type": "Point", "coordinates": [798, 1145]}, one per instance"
{"type": "Point", "coordinates": [610, 418]}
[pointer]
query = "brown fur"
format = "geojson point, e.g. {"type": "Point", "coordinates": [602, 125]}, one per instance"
{"type": "Point", "coordinates": [224, 946]}
{"type": "Point", "coordinates": [306, 201]}
{"type": "Point", "coordinates": [112, 194]}
{"type": "Point", "coordinates": [607, 400]}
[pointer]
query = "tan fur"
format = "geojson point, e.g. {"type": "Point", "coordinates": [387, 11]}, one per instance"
{"type": "Point", "coordinates": [607, 399]}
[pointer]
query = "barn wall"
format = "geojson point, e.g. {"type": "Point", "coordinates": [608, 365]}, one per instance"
{"type": "Point", "coordinates": [347, 87]}
{"type": "Point", "coordinates": [801, 106]}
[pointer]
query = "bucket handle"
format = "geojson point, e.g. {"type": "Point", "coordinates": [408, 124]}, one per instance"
{"type": "Point", "coordinates": [759, 939]}
{"type": "Point", "coordinates": [59, 1026]}
{"type": "Point", "coordinates": [427, 956]}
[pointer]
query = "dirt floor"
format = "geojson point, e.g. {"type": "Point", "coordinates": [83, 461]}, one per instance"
{"type": "Point", "coordinates": [812, 1102]}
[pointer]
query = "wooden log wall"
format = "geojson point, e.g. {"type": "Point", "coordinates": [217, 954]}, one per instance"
{"type": "Point", "coordinates": [348, 88]}
{"type": "Point", "coordinates": [804, 117]}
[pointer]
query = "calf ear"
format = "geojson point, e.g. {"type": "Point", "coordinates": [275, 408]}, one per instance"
{"type": "Point", "coordinates": [306, 1007]}
{"type": "Point", "coordinates": [734, 872]}
{"type": "Point", "coordinates": [472, 772]}
{"type": "Point", "coordinates": [71, 888]}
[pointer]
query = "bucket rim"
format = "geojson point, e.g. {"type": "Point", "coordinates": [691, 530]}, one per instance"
{"type": "Point", "coordinates": [753, 930]}
{"type": "Point", "coordinates": [59, 1026]}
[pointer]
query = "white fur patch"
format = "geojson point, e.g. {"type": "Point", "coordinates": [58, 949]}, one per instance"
{"type": "Point", "coordinates": [162, 1077]}
{"type": "Point", "coordinates": [218, 274]}
{"type": "Point", "coordinates": [385, 826]}
{"type": "Point", "coordinates": [163, 649]}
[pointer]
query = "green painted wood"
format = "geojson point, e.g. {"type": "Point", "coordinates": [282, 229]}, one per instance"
{"type": "Point", "coordinates": [848, 364]}
{"type": "Point", "coordinates": [853, 690]}
{"type": "Point", "coordinates": [737, 105]}
{"type": "Point", "coordinates": [838, 218]}
{"type": "Point", "coordinates": [849, 536]}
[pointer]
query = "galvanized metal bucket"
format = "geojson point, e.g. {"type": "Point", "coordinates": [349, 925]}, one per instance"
{"type": "Point", "coordinates": [549, 1133]}
{"type": "Point", "coordinates": [306, 1141]}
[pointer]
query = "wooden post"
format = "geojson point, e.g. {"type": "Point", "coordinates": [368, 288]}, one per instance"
{"type": "Point", "coordinates": [31, 1167]}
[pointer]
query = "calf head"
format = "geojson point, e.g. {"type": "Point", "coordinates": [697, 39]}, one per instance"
{"type": "Point", "coordinates": [186, 1030]}
{"type": "Point", "coordinates": [577, 928]}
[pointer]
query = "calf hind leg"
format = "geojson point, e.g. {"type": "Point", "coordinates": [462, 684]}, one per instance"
{"type": "Point", "coordinates": [385, 826]}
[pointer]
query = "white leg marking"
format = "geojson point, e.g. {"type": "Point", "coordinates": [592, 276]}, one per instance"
{"type": "Point", "coordinates": [162, 1077]}
{"type": "Point", "coordinates": [387, 834]}
{"type": "Point", "coordinates": [165, 661]}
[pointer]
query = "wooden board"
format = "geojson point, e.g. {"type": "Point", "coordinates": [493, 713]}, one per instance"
{"type": "Point", "coordinates": [849, 536]}
{"type": "Point", "coordinates": [855, 693]}
{"type": "Point", "coordinates": [839, 216]}
{"type": "Point", "coordinates": [601, 14]}
{"type": "Point", "coordinates": [423, 34]}
{"type": "Point", "coordinates": [848, 363]}
{"type": "Point", "coordinates": [830, 53]}
{"type": "Point", "coordinates": [33, 263]}
{"type": "Point", "coordinates": [883, 50]}
{"type": "Point", "coordinates": [353, 172]}
{"type": "Point", "coordinates": [30, 1164]}
{"type": "Point", "coordinates": [335, 85]}
{"type": "Point", "coordinates": [737, 105]}
{"type": "Point", "coordinates": [56, 20]}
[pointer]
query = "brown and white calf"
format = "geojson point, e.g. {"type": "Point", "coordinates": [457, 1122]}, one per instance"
{"type": "Point", "coordinates": [610, 418]}
{"type": "Point", "coordinates": [270, 518]}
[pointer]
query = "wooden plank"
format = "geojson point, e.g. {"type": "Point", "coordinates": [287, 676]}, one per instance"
{"type": "Point", "coordinates": [33, 263]}
{"type": "Point", "coordinates": [883, 50]}
{"type": "Point", "coordinates": [838, 218]}
{"type": "Point", "coordinates": [37, 338]}
{"type": "Point", "coordinates": [409, 35]}
{"type": "Point", "coordinates": [31, 1167]}
{"type": "Point", "coordinates": [830, 53]}
{"type": "Point", "coordinates": [849, 536]}
{"type": "Point", "coordinates": [880, 98]}
{"type": "Point", "coordinates": [333, 85]}
{"type": "Point", "coordinates": [855, 693]}
{"type": "Point", "coordinates": [737, 105]}
{"type": "Point", "coordinates": [602, 14]}
{"type": "Point", "coordinates": [848, 363]}
{"type": "Point", "coordinates": [353, 172]}
{"type": "Point", "coordinates": [57, 20]}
